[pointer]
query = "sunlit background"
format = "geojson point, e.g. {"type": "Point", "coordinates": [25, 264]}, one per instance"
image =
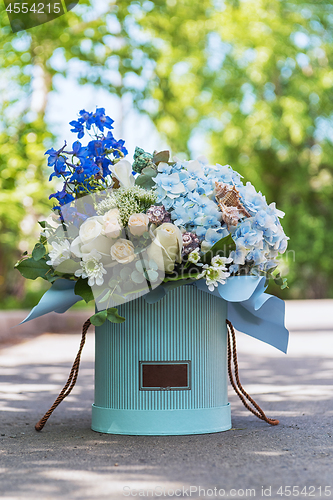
{"type": "Point", "coordinates": [248, 83]}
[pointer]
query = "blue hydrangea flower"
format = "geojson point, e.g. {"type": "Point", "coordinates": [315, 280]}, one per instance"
{"type": "Point", "coordinates": [259, 238]}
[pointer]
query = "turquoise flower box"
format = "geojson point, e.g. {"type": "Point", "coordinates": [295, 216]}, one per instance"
{"type": "Point", "coordinates": [163, 371]}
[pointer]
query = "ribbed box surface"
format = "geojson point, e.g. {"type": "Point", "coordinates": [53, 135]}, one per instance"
{"type": "Point", "coordinates": [164, 370]}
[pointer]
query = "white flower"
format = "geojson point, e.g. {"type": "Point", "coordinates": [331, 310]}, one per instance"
{"type": "Point", "coordinates": [138, 224]}
{"type": "Point", "coordinates": [60, 252]}
{"type": "Point", "coordinates": [219, 261]}
{"type": "Point", "coordinates": [102, 244]}
{"type": "Point", "coordinates": [194, 257]}
{"type": "Point", "coordinates": [123, 172]}
{"type": "Point", "coordinates": [111, 226]}
{"type": "Point", "coordinates": [91, 237]}
{"type": "Point", "coordinates": [123, 251]}
{"type": "Point", "coordinates": [213, 276]}
{"type": "Point", "coordinates": [111, 215]}
{"type": "Point", "coordinates": [92, 269]}
{"type": "Point", "coordinates": [166, 248]}
{"type": "Point", "coordinates": [90, 229]}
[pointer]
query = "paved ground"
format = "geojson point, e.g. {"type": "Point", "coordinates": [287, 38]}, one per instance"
{"type": "Point", "coordinates": [69, 460]}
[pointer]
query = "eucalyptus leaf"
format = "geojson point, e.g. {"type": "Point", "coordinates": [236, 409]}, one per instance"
{"type": "Point", "coordinates": [162, 156]}
{"type": "Point", "coordinates": [113, 282]}
{"type": "Point", "coordinates": [32, 269]}
{"type": "Point", "coordinates": [152, 265]}
{"type": "Point", "coordinates": [137, 277]}
{"type": "Point", "coordinates": [105, 297]}
{"type": "Point", "coordinates": [99, 318]}
{"type": "Point", "coordinates": [149, 171]}
{"type": "Point", "coordinates": [145, 181]}
{"type": "Point", "coordinates": [113, 316]}
{"type": "Point", "coordinates": [68, 266]}
{"type": "Point", "coordinates": [125, 273]}
{"type": "Point", "coordinates": [83, 290]}
{"type": "Point", "coordinates": [39, 251]}
{"type": "Point", "coordinates": [139, 266]}
{"type": "Point", "coordinates": [152, 275]}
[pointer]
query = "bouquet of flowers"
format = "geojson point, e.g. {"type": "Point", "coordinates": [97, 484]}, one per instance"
{"type": "Point", "coordinates": [121, 230]}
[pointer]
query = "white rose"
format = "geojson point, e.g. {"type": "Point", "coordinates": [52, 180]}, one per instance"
{"type": "Point", "coordinates": [90, 229]}
{"type": "Point", "coordinates": [102, 244]}
{"type": "Point", "coordinates": [111, 215]}
{"type": "Point", "coordinates": [166, 248]}
{"type": "Point", "coordinates": [138, 224]}
{"type": "Point", "coordinates": [111, 226]}
{"type": "Point", "coordinates": [123, 172]}
{"type": "Point", "coordinates": [123, 251]}
{"type": "Point", "coordinates": [91, 237]}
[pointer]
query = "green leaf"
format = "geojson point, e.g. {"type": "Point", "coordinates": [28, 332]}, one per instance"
{"type": "Point", "coordinates": [145, 182]}
{"type": "Point", "coordinates": [68, 266]}
{"type": "Point", "coordinates": [162, 156]}
{"type": "Point", "coordinates": [278, 280]}
{"type": "Point", "coordinates": [152, 275]}
{"type": "Point", "coordinates": [113, 316]}
{"type": "Point", "coordinates": [83, 289]}
{"type": "Point", "coordinates": [45, 225]}
{"type": "Point", "coordinates": [39, 251]}
{"type": "Point", "coordinates": [145, 179]}
{"type": "Point", "coordinates": [137, 277]}
{"type": "Point", "coordinates": [222, 247]}
{"type": "Point", "coordinates": [99, 318]}
{"type": "Point", "coordinates": [149, 171]}
{"type": "Point", "coordinates": [32, 269]}
{"type": "Point", "coordinates": [105, 297]}
{"type": "Point", "coordinates": [285, 284]}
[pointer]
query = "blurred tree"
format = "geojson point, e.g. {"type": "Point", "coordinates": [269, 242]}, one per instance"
{"type": "Point", "coordinates": [103, 52]}
{"type": "Point", "coordinates": [253, 79]}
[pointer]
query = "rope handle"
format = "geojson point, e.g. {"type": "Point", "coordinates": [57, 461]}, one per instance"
{"type": "Point", "coordinates": [232, 355]}
{"type": "Point", "coordinates": [237, 386]}
{"type": "Point", "coordinates": [70, 382]}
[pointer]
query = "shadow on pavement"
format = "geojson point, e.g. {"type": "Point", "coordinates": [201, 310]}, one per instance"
{"type": "Point", "coordinates": [68, 459]}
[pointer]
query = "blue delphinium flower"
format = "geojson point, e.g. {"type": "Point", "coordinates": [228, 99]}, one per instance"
{"type": "Point", "coordinates": [78, 128]}
{"type": "Point", "coordinates": [86, 168]}
{"type": "Point", "coordinates": [118, 146]}
{"type": "Point", "coordinates": [57, 161]}
{"type": "Point", "coordinates": [87, 119]}
{"type": "Point", "coordinates": [62, 197]}
{"type": "Point", "coordinates": [101, 120]}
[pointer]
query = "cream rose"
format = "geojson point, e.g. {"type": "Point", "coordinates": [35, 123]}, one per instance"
{"type": "Point", "coordinates": [102, 244]}
{"type": "Point", "coordinates": [111, 226]}
{"type": "Point", "coordinates": [123, 251]}
{"type": "Point", "coordinates": [166, 248]}
{"type": "Point", "coordinates": [90, 229]}
{"type": "Point", "coordinates": [138, 224]}
{"type": "Point", "coordinates": [123, 172]}
{"type": "Point", "coordinates": [91, 237]}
